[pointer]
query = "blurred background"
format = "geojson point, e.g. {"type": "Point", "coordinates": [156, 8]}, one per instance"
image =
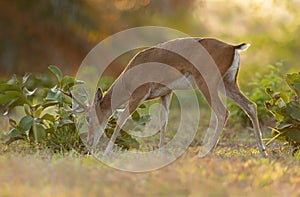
{"type": "Point", "coordinates": [36, 34]}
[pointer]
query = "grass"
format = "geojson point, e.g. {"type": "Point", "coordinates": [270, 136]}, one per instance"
{"type": "Point", "coordinates": [226, 172]}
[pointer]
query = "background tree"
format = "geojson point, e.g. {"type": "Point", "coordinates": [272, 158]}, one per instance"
{"type": "Point", "coordinates": [35, 34]}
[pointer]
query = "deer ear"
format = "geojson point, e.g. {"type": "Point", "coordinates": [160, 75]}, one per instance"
{"type": "Point", "coordinates": [98, 96]}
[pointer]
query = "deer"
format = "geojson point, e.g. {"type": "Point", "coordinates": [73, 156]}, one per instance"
{"type": "Point", "coordinates": [206, 64]}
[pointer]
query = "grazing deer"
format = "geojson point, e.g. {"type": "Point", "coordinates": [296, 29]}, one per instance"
{"type": "Point", "coordinates": [209, 64]}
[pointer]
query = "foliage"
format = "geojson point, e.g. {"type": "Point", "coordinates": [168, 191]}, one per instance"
{"type": "Point", "coordinates": [285, 107]}
{"type": "Point", "coordinates": [48, 120]}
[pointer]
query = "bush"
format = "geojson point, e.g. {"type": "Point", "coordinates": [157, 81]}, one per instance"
{"type": "Point", "coordinates": [285, 107]}
{"type": "Point", "coordinates": [49, 120]}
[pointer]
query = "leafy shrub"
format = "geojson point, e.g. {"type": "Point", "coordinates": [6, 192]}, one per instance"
{"type": "Point", "coordinates": [49, 119]}
{"type": "Point", "coordinates": [285, 107]}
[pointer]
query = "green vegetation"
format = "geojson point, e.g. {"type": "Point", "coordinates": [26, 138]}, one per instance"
{"type": "Point", "coordinates": [285, 106]}
{"type": "Point", "coordinates": [49, 120]}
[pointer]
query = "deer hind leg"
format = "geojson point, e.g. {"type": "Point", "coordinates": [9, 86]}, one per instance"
{"type": "Point", "coordinates": [216, 127]}
{"type": "Point", "coordinates": [138, 96]}
{"type": "Point", "coordinates": [234, 93]}
{"type": "Point", "coordinates": [164, 110]}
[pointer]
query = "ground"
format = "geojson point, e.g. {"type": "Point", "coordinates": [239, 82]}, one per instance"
{"type": "Point", "coordinates": [227, 172]}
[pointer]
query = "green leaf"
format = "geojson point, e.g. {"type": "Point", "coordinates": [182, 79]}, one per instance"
{"type": "Point", "coordinates": [283, 125]}
{"type": "Point", "coordinates": [14, 80]}
{"type": "Point", "coordinates": [11, 99]}
{"type": "Point", "coordinates": [296, 87]}
{"type": "Point", "coordinates": [49, 117]}
{"type": "Point", "coordinates": [54, 95]}
{"type": "Point", "coordinates": [293, 110]}
{"type": "Point", "coordinates": [67, 99]}
{"type": "Point", "coordinates": [142, 106]}
{"type": "Point", "coordinates": [27, 92]}
{"type": "Point", "coordinates": [135, 116]}
{"type": "Point", "coordinates": [39, 132]}
{"type": "Point", "coordinates": [27, 109]}
{"type": "Point", "coordinates": [13, 103]}
{"type": "Point", "coordinates": [57, 72]}
{"type": "Point", "coordinates": [126, 140]}
{"type": "Point", "coordinates": [295, 115]}
{"type": "Point", "coordinates": [65, 122]}
{"type": "Point", "coordinates": [10, 95]}
{"type": "Point", "coordinates": [293, 81]}
{"type": "Point", "coordinates": [14, 133]}
{"type": "Point", "coordinates": [25, 123]}
{"type": "Point", "coordinates": [293, 134]}
{"type": "Point", "coordinates": [38, 112]}
{"type": "Point", "coordinates": [46, 104]}
{"type": "Point", "coordinates": [68, 82]}
{"type": "Point", "coordinates": [285, 97]}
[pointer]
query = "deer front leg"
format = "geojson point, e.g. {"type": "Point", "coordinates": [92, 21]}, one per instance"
{"type": "Point", "coordinates": [164, 111]}
{"type": "Point", "coordinates": [138, 96]}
